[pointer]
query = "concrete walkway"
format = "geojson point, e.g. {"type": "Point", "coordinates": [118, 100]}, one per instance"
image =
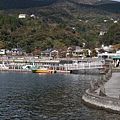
{"type": "Point", "coordinates": [112, 87]}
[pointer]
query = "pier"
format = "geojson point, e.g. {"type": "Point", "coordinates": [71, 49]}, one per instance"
{"type": "Point", "coordinates": [61, 65]}
{"type": "Point", "coordinates": [105, 93]}
{"type": "Point", "coordinates": [112, 87]}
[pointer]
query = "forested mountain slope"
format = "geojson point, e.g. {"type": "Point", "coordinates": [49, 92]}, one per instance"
{"type": "Point", "coordinates": [58, 26]}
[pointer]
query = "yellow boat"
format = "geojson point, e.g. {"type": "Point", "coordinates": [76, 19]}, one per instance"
{"type": "Point", "coordinates": [42, 70]}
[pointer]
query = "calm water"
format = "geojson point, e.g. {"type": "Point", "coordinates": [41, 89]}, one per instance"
{"type": "Point", "coordinates": [29, 96]}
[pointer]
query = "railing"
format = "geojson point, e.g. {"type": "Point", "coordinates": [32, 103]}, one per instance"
{"type": "Point", "coordinates": [83, 65]}
{"type": "Point", "coordinates": [57, 66]}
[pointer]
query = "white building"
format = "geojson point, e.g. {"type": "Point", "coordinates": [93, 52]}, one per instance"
{"type": "Point", "coordinates": [22, 16]}
{"type": "Point", "coordinates": [32, 16]}
{"type": "Point", "coordinates": [115, 21]}
{"type": "Point", "coordinates": [2, 51]}
{"type": "Point", "coordinates": [118, 51]}
{"type": "Point", "coordinates": [102, 33]}
{"type": "Point", "coordinates": [108, 55]}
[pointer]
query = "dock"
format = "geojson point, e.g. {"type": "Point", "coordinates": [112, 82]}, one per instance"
{"type": "Point", "coordinates": [61, 65]}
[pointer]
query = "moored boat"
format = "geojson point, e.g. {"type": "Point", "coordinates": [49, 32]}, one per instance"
{"type": "Point", "coordinates": [3, 67]}
{"type": "Point", "coordinates": [38, 69]}
{"type": "Point", "coordinates": [27, 67]}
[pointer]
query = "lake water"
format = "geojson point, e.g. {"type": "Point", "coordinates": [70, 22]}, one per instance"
{"type": "Point", "coordinates": [29, 96]}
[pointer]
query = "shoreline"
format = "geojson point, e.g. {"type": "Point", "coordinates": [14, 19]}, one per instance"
{"type": "Point", "coordinates": [22, 70]}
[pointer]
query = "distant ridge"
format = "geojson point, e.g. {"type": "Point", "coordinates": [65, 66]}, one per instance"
{"type": "Point", "coordinates": [93, 2]}
{"type": "Point", "coordinates": [111, 7]}
{"type": "Point", "coordinates": [21, 4]}
{"type": "Point", "coordinates": [107, 5]}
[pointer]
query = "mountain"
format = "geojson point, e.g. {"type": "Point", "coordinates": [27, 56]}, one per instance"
{"type": "Point", "coordinates": [94, 2]}
{"type": "Point", "coordinates": [59, 24]}
{"type": "Point", "coordinates": [108, 5]}
{"type": "Point", "coordinates": [114, 7]}
{"type": "Point", "coordinates": [21, 4]}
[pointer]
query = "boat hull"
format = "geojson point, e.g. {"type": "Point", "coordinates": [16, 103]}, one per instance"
{"type": "Point", "coordinates": [44, 71]}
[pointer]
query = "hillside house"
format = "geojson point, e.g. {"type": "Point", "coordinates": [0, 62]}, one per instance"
{"type": "Point", "coordinates": [32, 16]}
{"type": "Point", "coordinates": [49, 53]}
{"type": "Point", "coordinates": [78, 52]}
{"type": "Point", "coordinates": [22, 16]}
{"type": "Point", "coordinates": [16, 51]}
{"type": "Point", "coordinates": [2, 51]}
{"type": "Point", "coordinates": [115, 21]}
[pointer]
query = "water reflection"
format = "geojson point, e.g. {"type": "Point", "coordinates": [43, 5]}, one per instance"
{"type": "Point", "coordinates": [28, 96]}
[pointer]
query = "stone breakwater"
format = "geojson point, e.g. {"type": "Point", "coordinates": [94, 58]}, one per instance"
{"type": "Point", "coordinates": [99, 102]}
{"type": "Point", "coordinates": [88, 71]}
{"type": "Point", "coordinates": [96, 97]}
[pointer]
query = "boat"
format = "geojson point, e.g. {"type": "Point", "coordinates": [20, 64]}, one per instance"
{"type": "Point", "coordinates": [27, 67]}
{"type": "Point", "coordinates": [3, 66]}
{"type": "Point", "coordinates": [42, 69]}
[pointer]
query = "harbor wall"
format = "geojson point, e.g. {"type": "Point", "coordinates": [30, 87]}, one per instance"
{"type": "Point", "coordinates": [88, 71]}
{"type": "Point", "coordinates": [116, 69]}
{"type": "Point", "coordinates": [99, 100]}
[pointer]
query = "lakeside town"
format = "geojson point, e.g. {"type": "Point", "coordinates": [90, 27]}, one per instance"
{"type": "Point", "coordinates": [70, 55]}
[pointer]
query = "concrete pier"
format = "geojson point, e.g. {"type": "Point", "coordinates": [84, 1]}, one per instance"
{"type": "Point", "coordinates": [112, 87]}
{"type": "Point", "coordinates": [109, 100]}
{"type": "Point", "coordinates": [98, 70]}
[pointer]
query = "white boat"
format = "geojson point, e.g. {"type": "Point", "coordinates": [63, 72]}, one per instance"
{"type": "Point", "coordinates": [3, 67]}
{"type": "Point", "coordinates": [27, 67]}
